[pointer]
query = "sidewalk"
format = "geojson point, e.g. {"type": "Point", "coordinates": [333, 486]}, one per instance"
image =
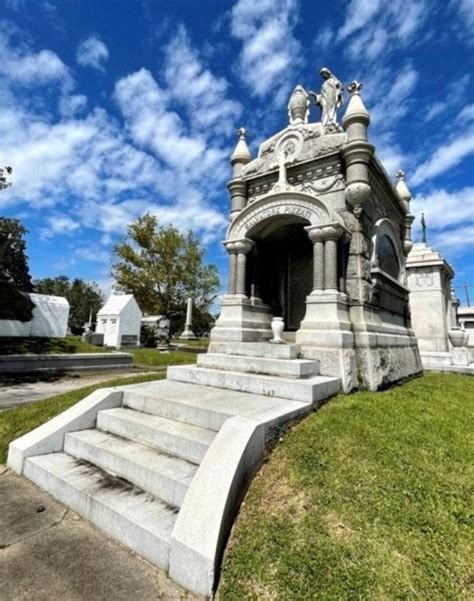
{"type": "Point", "coordinates": [21, 393]}
{"type": "Point", "coordinates": [48, 552]}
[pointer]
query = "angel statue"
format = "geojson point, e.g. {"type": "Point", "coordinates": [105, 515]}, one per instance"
{"type": "Point", "coordinates": [329, 99]}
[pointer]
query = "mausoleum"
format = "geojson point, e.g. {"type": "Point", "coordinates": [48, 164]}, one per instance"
{"type": "Point", "coordinates": [442, 342]}
{"type": "Point", "coordinates": [119, 320]}
{"type": "Point", "coordinates": [318, 236]}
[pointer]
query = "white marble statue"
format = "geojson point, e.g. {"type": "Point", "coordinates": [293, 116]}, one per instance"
{"type": "Point", "coordinates": [329, 99]}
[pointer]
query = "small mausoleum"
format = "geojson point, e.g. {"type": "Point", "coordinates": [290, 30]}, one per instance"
{"type": "Point", "coordinates": [318, 236]}
{"type": "Point", "coordinates": [119, 321]}
{"type": "Point", "coordinates": [442, 342]}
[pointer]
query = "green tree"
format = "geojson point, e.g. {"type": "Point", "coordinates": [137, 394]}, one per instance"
{"type": "Point", "coordinates": [84, 297]}
{"type": "Point", "coordinates": [162, 267]}
{"type": "Point", "coordinates": [13, 259]}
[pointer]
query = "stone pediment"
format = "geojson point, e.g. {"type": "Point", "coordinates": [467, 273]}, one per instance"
{"type": "Point", "coordinates": [315, 143]}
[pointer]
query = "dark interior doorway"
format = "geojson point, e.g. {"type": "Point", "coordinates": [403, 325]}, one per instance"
{"type": "Point", "coordinates": [282, 271]}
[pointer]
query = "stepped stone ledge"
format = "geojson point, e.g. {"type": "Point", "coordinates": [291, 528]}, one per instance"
{"type": "Point", "coordinates": [180, 452]}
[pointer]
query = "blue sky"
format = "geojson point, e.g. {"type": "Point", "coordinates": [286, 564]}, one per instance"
{"type": "Point", "coordinates": [112, 108]}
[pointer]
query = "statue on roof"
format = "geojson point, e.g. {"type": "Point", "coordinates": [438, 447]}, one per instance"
{"type": "Point", "coordinates": [329, 100]}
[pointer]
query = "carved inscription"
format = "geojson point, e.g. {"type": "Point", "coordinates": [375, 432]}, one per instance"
{"type": "Point", "coordinates": [314, 214]}
{"type": "Point", "coordinates": [424, 280]}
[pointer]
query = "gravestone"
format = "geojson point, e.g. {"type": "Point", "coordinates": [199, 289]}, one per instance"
{"type": "Point", "coordinates": [318, 235]}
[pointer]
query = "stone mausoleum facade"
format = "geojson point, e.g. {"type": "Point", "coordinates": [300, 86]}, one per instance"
{"type": "Point", "coordinates": [319, 236]}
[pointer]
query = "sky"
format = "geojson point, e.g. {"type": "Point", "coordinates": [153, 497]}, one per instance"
{"type": "Point", "coordinates": [112, 108]}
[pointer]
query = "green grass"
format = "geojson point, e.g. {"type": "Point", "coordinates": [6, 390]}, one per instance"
{"type": "Point", "coordinates": [16, 422]}
{"type": "Point", "coordinates": [369, 498]}
{"type": "Point", "coordinates": [200, 343]}
{"type": "Point", "coordinates": [46, 346]}
{"type": "Point", "coordinates": [150, 357]}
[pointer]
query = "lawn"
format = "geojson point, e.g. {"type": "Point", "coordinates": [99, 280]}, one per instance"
{"type": "Point", "coordinates": [150, 357]}
{"type": "Point", "coordinates": [369, 498]}
{"type": "Point", "coordinates": [18, 421]}
{"type": "Point", "coordinates": [46, 346]}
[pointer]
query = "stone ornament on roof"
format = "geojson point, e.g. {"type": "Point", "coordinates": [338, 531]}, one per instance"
{"type": "Point", "coordinates": [329, 99]}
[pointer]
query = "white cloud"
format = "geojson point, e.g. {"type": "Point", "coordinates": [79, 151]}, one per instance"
{"type": "Point", "coordinates": [445, 157]}
{"type": "Point", "coordinates": [359, 13]}
{"type": "Point", "coordinates": [465, 12]}
{"type": "Point", "coordinates": [375, 28]}
{"type": "Point", "coordinates": [324, 37]}
{"type": "Point", "coordinates": [22, 66]}
{"type": "Point", "coordinates": [59, 224]}
{"type": "Point", "coordinates": [92, 52]}
{"type": "Point", "coordinates": [449, 217]}
{"type": "Point", "coordinates": [195, 87]}
{"type": "Point", "coordinates": [466, 114]}
{"type": "Point", "coordinates": [269, 49]}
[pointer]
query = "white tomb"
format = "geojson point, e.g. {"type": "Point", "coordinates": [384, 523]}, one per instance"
{"type": "Point", "coordinates": [433, 304]}
{"type": "Point", "coordinates": [50, 317]}
{"type": "Point", "coordinates": [119, 321]}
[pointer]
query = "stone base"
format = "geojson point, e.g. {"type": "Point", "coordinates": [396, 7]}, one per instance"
{"type": "Point", "coordinates": [457, 356]}
{"type": "Point", "coordinates": [386, 350]}
{"type": "Point", "coordinates": [241, 320]}
{"type": "Point", "coordinates": [325, 334]}
{"type": "Point", "coordinates": [188, 334]}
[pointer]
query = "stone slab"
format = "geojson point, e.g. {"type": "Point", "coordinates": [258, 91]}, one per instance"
{"type": "Point", "coordinates": [256, 349]}
{"type": "Point", "coordinates": [79, 361]}
{"type": "Point", "coordinates": [291, 368]}
{"type": "Point", "coordinates": [132, 516]}
{"type": "Point", "coordinates": [309, 390]}
{"type": "Point", "coordinates": [166, 478]}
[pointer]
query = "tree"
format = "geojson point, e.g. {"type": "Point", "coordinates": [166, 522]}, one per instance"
{"type": "Point", "coordinates": [13, 259]}
{"type": "Point", "coordinates": [84, 297]}
{"type": "Point", "coordinates": [162, 267]}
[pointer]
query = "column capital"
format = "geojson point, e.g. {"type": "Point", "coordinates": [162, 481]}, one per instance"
{"type": "Point", "coordinates": [321, 233]}
{"type": "Point", "coordinates": [239, 246]}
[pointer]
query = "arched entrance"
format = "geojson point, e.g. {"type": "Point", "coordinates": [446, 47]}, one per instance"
{"type": "Point", "coordinates": [280, 269]}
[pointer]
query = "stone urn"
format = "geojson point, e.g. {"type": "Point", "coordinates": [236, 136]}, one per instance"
{"type": "Point", "coordinates": [278, 325]}
{"type": "Point", "coordinates": [298, 106]}
{"type": "Point", "coordinates": [457, 337]}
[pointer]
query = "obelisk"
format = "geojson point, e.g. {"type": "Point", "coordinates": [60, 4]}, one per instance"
{"type": "Point", "coordinates": [188, 333]}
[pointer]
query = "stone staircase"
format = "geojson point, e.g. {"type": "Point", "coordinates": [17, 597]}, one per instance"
{"type": "Point", "coordinates": [130, 474]}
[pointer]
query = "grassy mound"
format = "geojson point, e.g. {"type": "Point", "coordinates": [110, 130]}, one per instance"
{"type": "Point", "coordinates": [18, 421]}
{"type": "Point", "coordinates": [369, 498]}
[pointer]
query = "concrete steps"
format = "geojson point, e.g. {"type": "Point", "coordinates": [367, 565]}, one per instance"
{"type": "Point", "coordinates": [310, 390]}
{"type": "Point", "coordinates": [291, 368]}
{"type": "Point", "coordinates": [169, 436]}
{"type": "Point", "coordinates": [130, 515]}
{"type": "Point", "coordinates": [167, 478]}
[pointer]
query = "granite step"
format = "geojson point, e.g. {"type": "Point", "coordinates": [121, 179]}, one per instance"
{"type": "Point", "coordinates": [172, 437]}
{"type": "Point", "coordinates": [132, 516]}
{"type": "Point", "coordinates": [291, 368]}
{"type": "Point", "coordinates": [310, 390]}
{"type": "Point", "coordinates": [256, 349]}
{"type": "Point", "coordinates": [163, 476]}
{"type": "Point", "coordinates": [205, 406]}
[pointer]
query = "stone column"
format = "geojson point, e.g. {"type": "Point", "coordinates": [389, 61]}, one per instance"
{"type": "Point", "coordinates": [330, 264]}
{"type": "Point", "coordinates": [242, 248]}
{"type": "Point", "coordinates": [230, 247]}
{"type": "Point", "coordinates": [324, 240]}
{"type": "Point", "coordinates": [318, 265]}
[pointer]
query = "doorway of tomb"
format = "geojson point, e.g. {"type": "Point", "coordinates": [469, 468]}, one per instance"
{"type": "Point", "coordinates": [280, 272]}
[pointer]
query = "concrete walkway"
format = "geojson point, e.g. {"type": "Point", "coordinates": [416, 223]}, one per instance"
{"type": "Point", "coordinates": [23, 393]}
{"type": "Point", "coordinates": [48, 552]}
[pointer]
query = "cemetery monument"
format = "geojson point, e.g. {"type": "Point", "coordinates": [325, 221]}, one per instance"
{"type": "Point", "coordinates": [317, 242]}
{"type": "Point", "coordinates": [119, 321]}
{"type": "Point", "coordinates": [318, 236]}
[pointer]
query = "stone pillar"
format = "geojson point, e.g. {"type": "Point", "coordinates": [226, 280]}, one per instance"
{"type": "Point", "coordinates": [324, 240]}
{"type": "Point", "coordinates": [330, 264]}
{"type": "Point", "coordinates": [242, 248]}
{"type": "Point", "coordinates": [318, 265]}
{"type": "Point", "coordinates": [233, 273]}
{"type": "Point", "coordinates": [188, 333]}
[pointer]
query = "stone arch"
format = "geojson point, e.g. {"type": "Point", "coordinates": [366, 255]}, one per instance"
{"type": "Point", "coordinates": [305, 208]}
{"type": "Point", "coordinates": [384, 230]}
